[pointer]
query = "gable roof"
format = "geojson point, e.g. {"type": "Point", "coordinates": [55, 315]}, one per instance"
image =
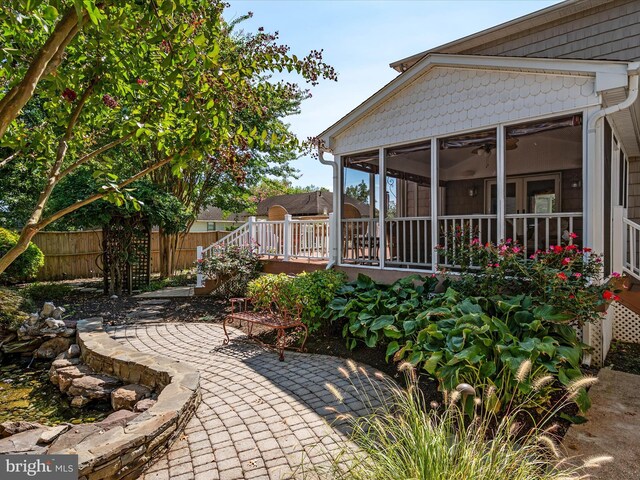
{"type": "Point", "coordinates": [530, 21]}
{"type": "Point", "coordinates": [311, 203]}
{"type": "Point", "coordinates": [609, 75]}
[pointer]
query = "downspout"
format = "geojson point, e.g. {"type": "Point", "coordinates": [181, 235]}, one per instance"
{"type": "Point", "coordinates": [594, 146]}
{"type": "Point", "coordinates": [333, 228]}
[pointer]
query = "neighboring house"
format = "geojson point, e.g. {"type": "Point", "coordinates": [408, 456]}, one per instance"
{"type": "Point", "coordinates": [318, 204]}
{"type": "Point", "coordinates": [212, 219]}
{"type": "Point", "coordinates": [529, 130]}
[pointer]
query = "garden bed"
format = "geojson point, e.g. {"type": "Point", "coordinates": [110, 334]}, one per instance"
{"type": "Point", "coordinates": [624, 357]}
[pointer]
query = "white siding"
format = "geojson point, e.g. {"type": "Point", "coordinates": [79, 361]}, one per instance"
{"type": "Point", "coordinates": [448, 100]}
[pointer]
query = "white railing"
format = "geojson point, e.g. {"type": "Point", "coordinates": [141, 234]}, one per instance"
{"type": "Point", "coordinates": [287, 239]}
{"type": "Point", "coordinates": [482, 227]}
{"type": "Point", "coordinates": [408, 242]}
{"type": "Point", "coordinates": [361, 241]}
{"type": "Point", "coordinates": [630, 248]}
{"type": "Point", "coordinates": [540, 231]}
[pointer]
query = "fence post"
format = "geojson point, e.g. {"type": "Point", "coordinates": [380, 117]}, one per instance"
{"type": "Point", "coordinates": [252, 230]}
{"type": "Point", "coordinates": [198, 258]}
{"type": "Point", "coordinates": [332, 241]}
{"type": "Point", "coordinates": [287, 233]}
{"type": "Point", "coordinates": [618, 242]}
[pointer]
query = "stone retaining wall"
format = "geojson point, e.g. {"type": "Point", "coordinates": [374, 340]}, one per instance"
{"type": "Point", "coordinates": [124, 452]}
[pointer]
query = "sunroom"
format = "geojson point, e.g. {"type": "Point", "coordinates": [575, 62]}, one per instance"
{"type": "Point", "coordinates": [498, 148]}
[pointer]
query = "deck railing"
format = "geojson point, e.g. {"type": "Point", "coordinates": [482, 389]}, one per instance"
{"type": "Point", "coordinates": [539, 231]}
{"type": "Point", "coordinates": [286, 239]}
{"type": "Point", "coordinates": [631, 248]}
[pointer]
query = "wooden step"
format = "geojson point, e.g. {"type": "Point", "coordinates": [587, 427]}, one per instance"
{"type": "Point", "coordinates": [629, 293]}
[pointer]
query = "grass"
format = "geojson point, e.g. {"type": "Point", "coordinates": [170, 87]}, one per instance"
{"type": "Point", "coordinates": [40, 292]}
{"type": "Point", "coordinates": [409, 439]}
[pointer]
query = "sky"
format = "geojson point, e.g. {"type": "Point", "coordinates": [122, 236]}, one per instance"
{"type": "Point", "coordinates": [360, 38]}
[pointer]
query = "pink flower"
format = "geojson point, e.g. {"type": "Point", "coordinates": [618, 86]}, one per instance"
{"type": "Point", "coordinates": [516, 249]}
{"type": "Point", "coordinates": [573, 235]}
{"type": "Point", "coordinates": [508, 240]}
{"type": "Point", "coordinates": [532, 257]}
{"type": "Point", "coordinates": [615, 275]}
{"type": "Point", "coordinates": [475, 241]}
{"type": "Point", "coordinates": [566, 261]}
{"type": "Point", "coordinates": [577, 275]}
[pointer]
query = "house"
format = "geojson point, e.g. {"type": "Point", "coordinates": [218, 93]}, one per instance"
{"type": "Point", "coordinates": [212, 219]}
{"type": "Point", "coordinates": [318, 204]}
{"type": "Point", "coordinates": [528, 130]}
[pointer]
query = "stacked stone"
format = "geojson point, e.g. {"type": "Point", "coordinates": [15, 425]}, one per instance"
{"type": "Point", "coordinates": [43, 335]}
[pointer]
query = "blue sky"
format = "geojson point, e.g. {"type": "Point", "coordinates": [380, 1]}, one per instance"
{"type": "Point", "coordinates": [360, 39]}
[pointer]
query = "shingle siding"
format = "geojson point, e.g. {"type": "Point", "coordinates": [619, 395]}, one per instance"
{"type": "Point", "coordinates": [607, 32]}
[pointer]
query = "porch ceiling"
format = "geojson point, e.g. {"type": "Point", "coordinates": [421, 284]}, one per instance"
{"type": "Point", "coordinates": [626, 122]}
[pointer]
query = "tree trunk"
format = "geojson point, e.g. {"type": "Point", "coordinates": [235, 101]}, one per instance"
{"type": "Point", "coordinates": [14, 252]}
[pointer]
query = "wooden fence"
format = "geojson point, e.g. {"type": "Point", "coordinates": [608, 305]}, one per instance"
{"type": "Point", "coordinates": [79, 254]}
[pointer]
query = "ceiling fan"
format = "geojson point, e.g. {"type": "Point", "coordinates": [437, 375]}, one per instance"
{"type": "Point", "coordinates": [486, 149]}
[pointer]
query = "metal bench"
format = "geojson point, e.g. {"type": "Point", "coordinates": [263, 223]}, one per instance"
{"type": "Point", "coordinates": [276, 317]}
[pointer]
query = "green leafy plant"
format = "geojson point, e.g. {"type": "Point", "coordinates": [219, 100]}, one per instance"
{"type": "Point", "coordinates": [564, 276]}
{"type": "Point", "coordinates": [26, 266]}
{"type": "Point", "coordinates": [374, 312]}
{"type": "Point", "coordinates": [46, 292]}
{"type": "Point", "coordinates": [227, 260]}
{"type": "Point", "coordinates": [13, 309]}
{"type": "Point", "coordinates": [485, 340]}
{"type": "Point", "coordinates": [312, 290]}
{"type": "Point", "coordinates": [407, 438]}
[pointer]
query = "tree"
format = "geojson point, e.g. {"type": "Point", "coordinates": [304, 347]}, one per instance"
{"type": "Point", "coordinates": [359, 191]}
{"type": "Point", "coordinates": [168, 84]}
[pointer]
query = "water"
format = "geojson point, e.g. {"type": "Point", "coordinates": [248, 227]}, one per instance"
{"type": "Point", "coordinates": [27, 394]}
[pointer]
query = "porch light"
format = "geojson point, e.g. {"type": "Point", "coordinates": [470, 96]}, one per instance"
{"type": "Point", "coordinates": [576, 184]}
{"type": "Point", "coordinates": [473, 191]}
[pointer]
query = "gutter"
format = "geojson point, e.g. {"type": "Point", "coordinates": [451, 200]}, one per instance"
{"type": "Point", "coordinates": [333, 228]}
{"type": "Point", "coordinates": [594, 144]}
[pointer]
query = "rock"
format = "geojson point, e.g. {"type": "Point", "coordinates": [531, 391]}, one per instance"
{"type": "Point", "coordinates": [126, 397]}
{"type": "Point", "coordinates": [24, 442]}
{"type": "Point", "coordinates": [113, 297]}
{"type": "Point", "coordinates": [51, 348]}
{"type": "Point", "coordinates": [144, 405]}
{"type": "Point", "coordinates": [34, 318]}
{"type": "Point", "coordinates": [69, 332]}
{"type": "Point", "coordinates": [55, 324]}
{"type": "Point", "coordinates": [64, 376]}
{"type": "Point", "coordinates": [50, 434]}
{"type": "Point", "coordinates": [94, 387]}
{"type": "Point", "coordinates": [47, 310]}
{"type": "Point", "coordinates": [57, 313]}
{"type": "Point", "coordinates": [79, 401]}
{"type": "Point", "coordinates": [117, 419]}
{"type": "Point", "coordinates": [26, 346]}
{"type": "Point", "coordinates": [73, 351]}
{"type": "Point", "coordinates": [70, 323]}
{"type": "Point", "coordinates": [11, 428]}
{"type": "Point", "coordinates": [72, 437]}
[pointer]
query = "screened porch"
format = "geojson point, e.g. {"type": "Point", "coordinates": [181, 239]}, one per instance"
{"type": "Point", "coordinates": [521, 182]}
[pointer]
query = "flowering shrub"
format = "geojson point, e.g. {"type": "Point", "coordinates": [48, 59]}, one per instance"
{"type": "Point", "coordinates": [312, 290]}
{"type": "Point", "coordinates": [227, 261]}
{"type": "Point", "coordinates": [564, 276]}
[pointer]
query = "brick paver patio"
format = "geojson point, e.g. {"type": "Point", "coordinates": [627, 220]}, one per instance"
{"type": "Point", "coordinates": [259, 418]}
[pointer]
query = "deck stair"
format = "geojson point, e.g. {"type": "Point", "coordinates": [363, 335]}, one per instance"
{"type": "Point", "coordinates": [286, 246]}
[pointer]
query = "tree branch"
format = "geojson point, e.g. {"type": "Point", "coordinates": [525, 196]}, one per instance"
{"type": "Point", "coordinates": [8, 159]}
{"type": "Point", "coordinates": [95, 153]}
{"type": "Point", "coordinates": [19, 95]}
{"type": "Point", "coordinates": [72, 208]}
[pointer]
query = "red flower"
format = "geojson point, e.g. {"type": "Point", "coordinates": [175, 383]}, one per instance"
{"type": "Point", "coordinates": [586, 249]}
{"type": "Point", "coordinates": [573, 235]}
{"type": "Point", "coordinates": [572, 296]}
{"type": "Point", "coordinates": [566, 261]}
{"type": "Point", "coordinates": [69, 95]}
{"type": "Point", "coordinates": [608, 295]}
{"type": "Point", "coordinates": [142, 81]}
{"type": "Point", "coordinates": [562, 276]}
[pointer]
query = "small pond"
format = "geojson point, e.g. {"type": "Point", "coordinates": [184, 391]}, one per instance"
{"type": "Point", "coordinates": [27, 394]}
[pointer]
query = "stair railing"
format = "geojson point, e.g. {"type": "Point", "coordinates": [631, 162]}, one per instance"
{"type": "Point", "coordinates": [630, 248]}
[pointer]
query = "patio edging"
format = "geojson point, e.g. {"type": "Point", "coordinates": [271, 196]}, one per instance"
{"type": "Point", "coordinates": [124, 452]}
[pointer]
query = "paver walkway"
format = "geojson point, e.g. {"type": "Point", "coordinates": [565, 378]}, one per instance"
{"type": "Point", "coordinates": [259, 418]}
{"type": "Point", "coordinates": [613, 428]}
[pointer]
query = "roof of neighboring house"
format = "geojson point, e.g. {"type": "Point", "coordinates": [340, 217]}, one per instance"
{"type": "Point", "coordinates": [312, 203]}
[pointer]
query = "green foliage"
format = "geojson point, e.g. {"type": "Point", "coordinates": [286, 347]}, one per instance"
{"type": "Point", "coordinates": [13, 308]}
{"type": "Point", "coordinates": [562, 276]}
{"type": "Point", "coordinates": [406, 438]}
{"type": "Point", "coordinates": [236, 265]}
{"type": "Point", "coordinates": [312, 290]}
{"type": "Point", "coordinates": [376, 313]}
{"type": "Point", "coordinates": [26, 266]}
{"type": "Point", "coordinates": [478, 340]}
{"type": "Point", "coordinates": [39, 293]}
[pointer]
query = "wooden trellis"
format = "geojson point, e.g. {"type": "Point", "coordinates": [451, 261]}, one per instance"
{"type": "Point", "coordinates": [126, 245]}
